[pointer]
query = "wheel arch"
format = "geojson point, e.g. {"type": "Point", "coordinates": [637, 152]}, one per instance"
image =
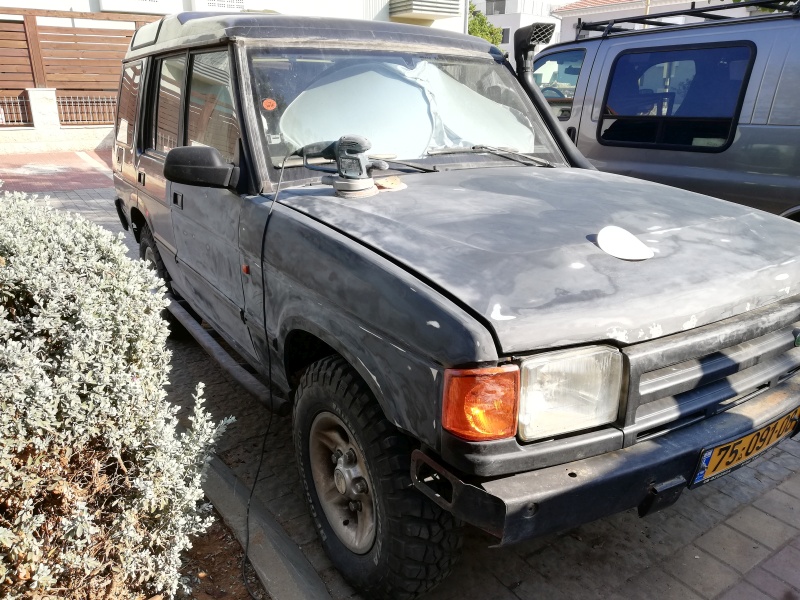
{"type": "Point", "coordinates": [305, 342]}
{"type": "Point", "coordinates": [137, 222]}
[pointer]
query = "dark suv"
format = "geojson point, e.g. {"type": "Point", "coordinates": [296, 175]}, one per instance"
{"type": "Point", "coordinates": [472, 324]}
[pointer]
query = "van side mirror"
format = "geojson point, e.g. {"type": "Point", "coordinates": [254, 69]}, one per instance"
{"type": "Point", "coordinates": [200, 166]}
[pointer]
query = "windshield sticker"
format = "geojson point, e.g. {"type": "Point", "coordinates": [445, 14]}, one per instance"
{"type": "Point", "coordinates": [269, 104]}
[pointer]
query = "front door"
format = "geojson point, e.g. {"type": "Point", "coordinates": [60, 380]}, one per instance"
{"type": "Point", "coordinates": [557, 76]}
{"type": "Point", "coordinates": [206, 220]}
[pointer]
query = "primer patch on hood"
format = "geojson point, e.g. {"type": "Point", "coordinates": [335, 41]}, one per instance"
{"type": "Point", "coordinates": [621, 243]}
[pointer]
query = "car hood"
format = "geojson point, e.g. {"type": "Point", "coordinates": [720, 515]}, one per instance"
{"type": "Point", "coordinates": [517, 247]}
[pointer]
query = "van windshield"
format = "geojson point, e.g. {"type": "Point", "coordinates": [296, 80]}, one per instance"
{"type": "Point", "coordinates": [409, 106]}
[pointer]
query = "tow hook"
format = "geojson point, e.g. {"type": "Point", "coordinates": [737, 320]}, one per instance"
{"type": "Point", "coordinates": [662, 495]}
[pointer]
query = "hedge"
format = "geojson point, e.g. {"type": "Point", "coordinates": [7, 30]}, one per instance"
{"type": "Point", "coordinates": [99, 493]}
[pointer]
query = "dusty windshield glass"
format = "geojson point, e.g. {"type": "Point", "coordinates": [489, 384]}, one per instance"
{"type": "Point", "coordinates": [409, 106]}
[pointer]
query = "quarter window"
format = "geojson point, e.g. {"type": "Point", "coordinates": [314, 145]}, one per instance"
{"type": "Point", "coordinates": [211, 119]}
{"type": "Point", "coordinates": [557, 76]}
{"type": "Point", "coordinates": [687, 98]}
{"type": "Point", "coordinates": [170, 85]}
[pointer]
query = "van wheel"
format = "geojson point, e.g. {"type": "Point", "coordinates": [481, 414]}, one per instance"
{"type": "Point", "coordinates": [384, 536]}
{"type": "Point", "coordinates": [148, 252]}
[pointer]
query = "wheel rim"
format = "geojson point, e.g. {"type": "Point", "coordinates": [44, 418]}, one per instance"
{"type": "Point", "coordinates": [342, 481]}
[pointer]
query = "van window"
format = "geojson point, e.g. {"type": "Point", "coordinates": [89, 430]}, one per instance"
{"type": "Point", "coordinates": [686, 98]}
{"type": "Point", "coordinates": [211, 119]}
{"type": "Point", "coordinates": [168, 104]}
{"type": "Point", "coordinates": [128, 98]}
{"type": "Point", "coordinates": [557, 76]}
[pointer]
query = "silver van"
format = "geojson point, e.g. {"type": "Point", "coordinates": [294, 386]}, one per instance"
{"type": "Point", "coordinates": [710, 103]}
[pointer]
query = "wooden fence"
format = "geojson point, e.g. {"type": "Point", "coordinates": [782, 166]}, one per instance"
{"type": "Point", "coordinates": [81, 63]}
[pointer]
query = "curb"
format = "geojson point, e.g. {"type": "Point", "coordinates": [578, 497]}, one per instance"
{"type": "Point", "coordinates": [279, 563]}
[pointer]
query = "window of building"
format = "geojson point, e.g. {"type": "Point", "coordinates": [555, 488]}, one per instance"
{"type": "Point", "coordinates": [506, 32]}
{"type": "Point", "coordinates": [557, 76]}
{"type": "Point", "coordinates": [686, 98]}
{"type": "Point", "coordinates": [495, 7]}
{"type": "Point", "coordinates": [168, 104]}
{"type": "Point", "coordinates": [128, 99]}
{"type": "Point", "coordinates": [211, 118]}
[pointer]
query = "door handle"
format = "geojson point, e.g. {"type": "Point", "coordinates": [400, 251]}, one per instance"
{"type": "Point", "coordinates": [572, 134]}
{"type": "Point", "coordinates": [119, 155]}
{"type": "Point", "coordinates": [140, 177]}
{"type": "Point", "coordinates": [177, 199]}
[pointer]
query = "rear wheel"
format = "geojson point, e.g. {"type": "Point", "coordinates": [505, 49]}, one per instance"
{"type": "Point", "coordinates": [148, 252]}
{"type": "Point", "coordinates": [383, 535]}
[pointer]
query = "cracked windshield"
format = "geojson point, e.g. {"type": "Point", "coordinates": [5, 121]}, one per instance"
{"type": "Point", "coordinates": [408, 106]}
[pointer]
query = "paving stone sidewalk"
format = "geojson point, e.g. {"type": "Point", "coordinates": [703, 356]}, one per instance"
{"type": "Point", "coordinates": [737, 538]}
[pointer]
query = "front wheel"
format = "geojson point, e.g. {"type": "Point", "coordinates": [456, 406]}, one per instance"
{"type": "Point", "coordinates": [383, 535]}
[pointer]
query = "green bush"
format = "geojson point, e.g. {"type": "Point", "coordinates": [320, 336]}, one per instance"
{"type": "Point", "coordinates": [99, 494]}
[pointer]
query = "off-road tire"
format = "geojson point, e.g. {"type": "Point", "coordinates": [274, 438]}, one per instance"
{"type": "Point", "coordinates": [416, 542]}
{"type": "Point", "coordinates": [148, 242]}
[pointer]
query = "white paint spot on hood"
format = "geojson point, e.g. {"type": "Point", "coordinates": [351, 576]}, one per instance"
{"type": "Point", "coordinates": [618, 334]}
{"type": "Point", "coordinates": [497, 316]}
{"type": "Point", "coordinates": [621, 243]}
{"type": "Point", "coordinates": [782, 276]}
{"type": "Point", "coordinates": [690, 323]}
{"type": "Point", "coordinates": [655, 330]}
{"type": "Point", "coordinates": [434, 324]}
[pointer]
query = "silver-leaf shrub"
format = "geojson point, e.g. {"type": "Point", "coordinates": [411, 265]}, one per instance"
{"type": "Point", "coordinates": [99, 494]}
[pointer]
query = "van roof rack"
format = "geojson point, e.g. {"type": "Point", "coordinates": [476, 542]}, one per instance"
{"type": "Point", "coordinates": [780, 8]}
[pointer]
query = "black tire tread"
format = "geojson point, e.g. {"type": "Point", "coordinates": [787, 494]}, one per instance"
{"type": "Point", "coordinates": [424, 539]}
{"type": "Point", "coordinates": [146, 239]}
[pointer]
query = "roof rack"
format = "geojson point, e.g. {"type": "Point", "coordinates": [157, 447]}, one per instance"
{"type": "Point", "coordinates": [781, 7]}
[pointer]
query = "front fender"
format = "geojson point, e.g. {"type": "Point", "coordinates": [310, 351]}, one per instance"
{"type": "Point", "coordinates": [396, 331]}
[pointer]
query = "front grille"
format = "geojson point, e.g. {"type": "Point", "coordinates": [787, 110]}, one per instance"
{"type": "Point", "coordinates": [680, 379]}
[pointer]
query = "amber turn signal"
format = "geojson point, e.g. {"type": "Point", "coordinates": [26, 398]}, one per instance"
{"type": "Point", "coordinates": [481, 404]}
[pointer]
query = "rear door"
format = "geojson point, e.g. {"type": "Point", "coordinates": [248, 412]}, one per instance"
{"type": "Point", "coordinates": [206, 220]}
{"type": "Point", "coordinates": [160, 133]}
{"type": "Point", "coordinates": [682, 107]}
{"type": "Point", "coordinates": [124, 141]}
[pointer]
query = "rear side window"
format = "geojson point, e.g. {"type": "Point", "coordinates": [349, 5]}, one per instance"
{"type": "Point", "coordinates": [687, 98]}
{"type": "Point", "coordinates": [557, 76]}
{"type": "Point", "coordinates": [168, 104]}
{"type": "Point", "coordinates": [211, 119]}
{"type": "Point", "coordinates": [128, 98]}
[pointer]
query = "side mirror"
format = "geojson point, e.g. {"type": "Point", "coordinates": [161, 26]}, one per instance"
{"type": "Point", "coordinates": [201, 166]}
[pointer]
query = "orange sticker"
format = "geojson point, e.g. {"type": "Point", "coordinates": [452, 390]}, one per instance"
{"type": "Point", "coordinates": [269, 104]}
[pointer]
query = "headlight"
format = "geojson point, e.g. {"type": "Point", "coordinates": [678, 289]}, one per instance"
{"type": "Point", "coordinates": [569, 390]}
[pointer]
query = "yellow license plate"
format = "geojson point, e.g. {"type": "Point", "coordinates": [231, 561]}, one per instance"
{"type": "Point", "coordinates": [720, 459]}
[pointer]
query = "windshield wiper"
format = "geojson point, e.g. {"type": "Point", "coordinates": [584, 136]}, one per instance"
{"type": "Point", "coordinates": [412, 165]}
{"type": "Point", "coordinates": [502, 152]}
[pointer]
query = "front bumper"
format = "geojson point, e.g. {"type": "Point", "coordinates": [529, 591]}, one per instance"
{"type": "Point", "coordinates": [649, 475]}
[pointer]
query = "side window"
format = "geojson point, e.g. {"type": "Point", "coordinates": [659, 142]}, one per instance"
{"type": "Point", "coordinates": [164, 136]}
{"type": "Point", "coordinates": [211, 118]}
{"type": "Point", "coordinates": [557, 76]}
{"type": "Point", "coordinates": [686, 99]}
{"type": "Point", "coordinates": [128, 98]}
